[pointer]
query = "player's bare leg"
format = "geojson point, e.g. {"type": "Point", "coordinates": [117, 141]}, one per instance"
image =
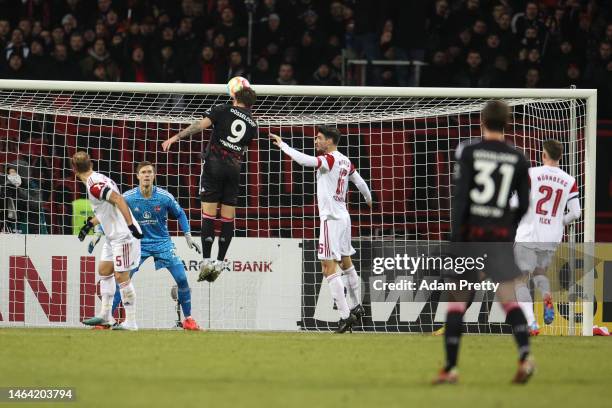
{"type": "Point", "coordinates": [128, 299]}
{"type": "Point", "coordinates": [540, 280]}
{"type": "Point", "coordinates": [523, 296]}
{"type": "Point", "coordinates": [107, 292]}
{"type": "Point", "coordinates": [336, 286]}
{"type": "Point", "coordinates": [209, 215]}
{"type": "Point", "coordinates": [354, 287]}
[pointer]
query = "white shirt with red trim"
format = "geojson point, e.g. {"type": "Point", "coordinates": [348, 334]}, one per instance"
{"type": "Point", "coordinates": [99, 189]}
{"type": "Point", "coordinates": [333, 171]}
{"type": "Point", "coordinates": [551, 191]}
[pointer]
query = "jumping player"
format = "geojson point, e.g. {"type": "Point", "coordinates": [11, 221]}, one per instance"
{"type": "Point", "coordinates": [233, 130]}
{"type": "Point", "coordinates": [334, 170]}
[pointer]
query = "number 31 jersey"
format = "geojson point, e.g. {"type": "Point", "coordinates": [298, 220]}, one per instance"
{"type": "Point", "coordinates": [551, 189]}
{"type": "Point", "coordinates": [333, 171]}
{"type": "Point", "coordinates": [233, 130]}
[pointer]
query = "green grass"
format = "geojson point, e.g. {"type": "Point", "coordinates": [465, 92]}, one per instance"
{"type": "Point", "coordinates": [236, 369]}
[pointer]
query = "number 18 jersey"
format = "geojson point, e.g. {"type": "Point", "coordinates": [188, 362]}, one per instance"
{"type": "Point", "coordinates": [333, 170]}
{"type": "Point", "coordinates": [551, 189]}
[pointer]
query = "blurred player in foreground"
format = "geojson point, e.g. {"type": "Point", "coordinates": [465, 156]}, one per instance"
{"type": "Point", "coordinates": [234, 128]}
{"type": "Point", "coordinates": [150, 205]}
{"type": "Point", "coordinates": [334, 170]}
{"type": "Point", "coordinates": [541, 229]}
{"type": "Point", "coordinates": [486, 174]}
{"type": "Point", "coordinates": [121, 250]}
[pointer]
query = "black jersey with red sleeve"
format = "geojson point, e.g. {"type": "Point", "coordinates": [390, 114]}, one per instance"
{"type": "Point", "coordinates": [233, 130]}
{"type": "Point", "coordinates": [487, 173]}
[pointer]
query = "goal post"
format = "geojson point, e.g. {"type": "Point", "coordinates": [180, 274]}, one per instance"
{"type": "Point", "coordinates": [401, 140]}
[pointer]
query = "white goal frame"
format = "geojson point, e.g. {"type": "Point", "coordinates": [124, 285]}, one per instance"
{"type": "Point", "coordinates": [590, 95]}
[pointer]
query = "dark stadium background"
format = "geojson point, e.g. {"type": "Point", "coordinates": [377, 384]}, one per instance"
{"type": "Point", "coordinates": [463, 43]}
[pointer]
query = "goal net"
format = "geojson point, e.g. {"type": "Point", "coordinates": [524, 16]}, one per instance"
{"type": "Point", "coordinates": [402, 141]}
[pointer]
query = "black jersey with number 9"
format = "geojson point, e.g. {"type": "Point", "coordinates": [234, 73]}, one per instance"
{"type": "Point", "coordinates": [233, 130]}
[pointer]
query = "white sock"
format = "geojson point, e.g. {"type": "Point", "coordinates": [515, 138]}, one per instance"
{"type": "Point", "coordinates": [337, 290]}
{"type": "Point", "coordinates": [128, 298]}
{"type": "Point", "coordinates": [524, 299]}
{"type": "Point", "coordinates": [543, 284]}
{"type": "Point", "coordinates": [107, 292]}
{"type": "Point", "coordinates": [354, 287]}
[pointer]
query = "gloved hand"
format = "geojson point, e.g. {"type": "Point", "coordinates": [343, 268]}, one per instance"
{"type": "Point", "coordinates": [87, 226]}
{"type": "Point", "coordinates": [192, 244]}
{"type": "Point", "coordinates": [94, 241]}
{"type": "Point", "coordinates": [137, 234]}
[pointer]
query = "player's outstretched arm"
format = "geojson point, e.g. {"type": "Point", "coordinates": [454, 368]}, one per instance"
{"type": "Point", "coordinates": [299, 157]}
{"type": "Point", "coordinates": [196, 127]}
{"type": "Point", "coordinates": [362, 186]}
{"type": "Point", "coordinates": [118, 201]}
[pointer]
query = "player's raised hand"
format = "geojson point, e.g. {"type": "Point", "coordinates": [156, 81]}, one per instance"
{"type": "Point", "coordinates": [276, 139]}
{"type": "Point", "coordinates": [166, 145]}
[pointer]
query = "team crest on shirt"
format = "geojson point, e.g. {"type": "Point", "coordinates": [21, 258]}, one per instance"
{"type": "Point", "coordinates": [147, 215]}
{"type": "Point", "coordinates": [157, 208]}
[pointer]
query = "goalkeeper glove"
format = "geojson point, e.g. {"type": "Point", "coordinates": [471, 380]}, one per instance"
{"type": "Point", "coordinates": [137, 234]}
{"type": "Point", "coordinates": [192, 244]}
{"type": "Point", "coordinates": [94, 240]}
{"type": "Point", "coordinates": [87, 226]}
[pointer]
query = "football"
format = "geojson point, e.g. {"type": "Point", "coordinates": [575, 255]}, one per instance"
{"type": "Point", "coordinates": [236, 84]}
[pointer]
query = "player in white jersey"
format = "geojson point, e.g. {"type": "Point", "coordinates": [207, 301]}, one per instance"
{"type": "Point", "coordinates": [121, 251]}
{"type": "Point", "coordinates": [334, 170]}
{"type": "Point", "coordinates": [541, 228]}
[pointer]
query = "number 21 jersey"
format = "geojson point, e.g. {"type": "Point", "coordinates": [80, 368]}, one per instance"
{"type": "Point", "coordinates": [551, 189]}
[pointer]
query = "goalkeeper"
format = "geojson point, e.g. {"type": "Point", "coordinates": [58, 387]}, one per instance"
{"type": "Point", "coordinates": [150, 206]}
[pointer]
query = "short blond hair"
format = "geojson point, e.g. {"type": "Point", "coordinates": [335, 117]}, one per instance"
{"type": "Point", "coordinates": [81, 162]}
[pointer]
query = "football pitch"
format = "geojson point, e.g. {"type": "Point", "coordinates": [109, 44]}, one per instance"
{"type": "Point", "coordinates": [250, 369]}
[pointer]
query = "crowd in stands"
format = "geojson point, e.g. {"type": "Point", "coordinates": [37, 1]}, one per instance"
{"type": "Point", "coordinates": [466, 43]}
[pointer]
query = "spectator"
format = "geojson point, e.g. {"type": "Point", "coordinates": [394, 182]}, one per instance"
{"type": "Point", "coordinates": [573, 77]}
{"type": "Point", "coordinates": [532, 78]}
{"type": "Point", "coordinates": [438, 26]}
{"type": "Point", "coordinates": [5, 29]}
{"type": "Point", "coordinates": [236, 67]}
{"type": "Point", "coordinates": [136, 70]}
{"type": "Point", "coordinates": [39, 63]}
{"type": "Point", "coordinates": [228, 26]}
{"type": "Point", "coordinates": [17, 46]}
{"type": "Point", "coordinates": [529, 18]}
{"type": "Point", "coordinates": [16, 68]}
{"type": "Point", "coordinates": [207, 70]}
{"type": "Point", "coordinates": [62, 67]}
{"type": "Point", "coordinates": [473, 75]}
{"type": "Point", "coordinates": [439, 72]}
{"type": "Point", "coordinates": [324, 76]}
{"type": "Point", "coordinates": [597, 69]}
{"type": "Point", "coordinates": [285, 75]}
{"type": "Point", "coordinates": [99, 55]}
{"type": "Point", "coordinates": [25, 194]}
{"type": "Point", "coordinates": [77, 50]}
{"type": "Point", "coordinates": [262, 74]}
{"type": "Point", "coordinates": [166, 68]}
